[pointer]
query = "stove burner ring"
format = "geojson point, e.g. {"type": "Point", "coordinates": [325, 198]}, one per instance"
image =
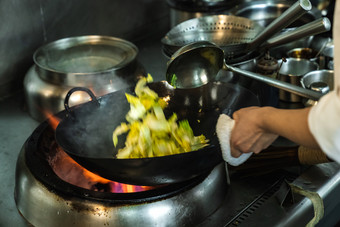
{"type": "Point", "coordinates": [38, 153]}
{"type": "Point", "coordinates": [39, 190]}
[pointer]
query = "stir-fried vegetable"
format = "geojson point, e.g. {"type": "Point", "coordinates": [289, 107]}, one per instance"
{"type": "Point", "coordinates": [150, 134]}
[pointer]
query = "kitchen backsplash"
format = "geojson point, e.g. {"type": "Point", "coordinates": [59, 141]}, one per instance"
{"type": "Point", "coordinates": [27, 25]}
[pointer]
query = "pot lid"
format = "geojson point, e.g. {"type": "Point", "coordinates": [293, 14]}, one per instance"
{"type": "Point", "coordinates": [83, 58]}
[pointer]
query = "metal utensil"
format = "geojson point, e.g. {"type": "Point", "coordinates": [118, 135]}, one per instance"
{"type": "Point", "coordinates": [286, 18]}
{"type": "Point", "coordinates": [322, 48]}
{"type": "Point", "coordinates": [220, 29]}
{"type": "Point", "coordinates": [199, 63]}
{"type": "Point", "coordinates": [312, 28]}
{"type": "Point", "coordinates": [241, 46]}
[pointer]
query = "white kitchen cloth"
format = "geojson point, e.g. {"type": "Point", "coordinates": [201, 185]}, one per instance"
{"type": "Point", "coordinates": [223, 129]}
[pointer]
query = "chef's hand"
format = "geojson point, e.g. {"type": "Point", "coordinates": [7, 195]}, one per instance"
{"type": "Point", "coordinates": [248, 134]}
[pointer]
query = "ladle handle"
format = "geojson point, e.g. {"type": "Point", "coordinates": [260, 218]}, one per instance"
{"type": "Point", "coordinates": [313, 28]}
{"type": "Point", "coordinates": [277, 83]}
{"type": "Point", "coordinates": [293, 13]}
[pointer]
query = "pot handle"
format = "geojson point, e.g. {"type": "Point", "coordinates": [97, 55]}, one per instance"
{"type": "Point", "coordinates": [70, 92]}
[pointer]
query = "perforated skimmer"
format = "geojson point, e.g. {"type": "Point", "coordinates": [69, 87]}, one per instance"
{"type": "Point", "coordinates": [211, 28]}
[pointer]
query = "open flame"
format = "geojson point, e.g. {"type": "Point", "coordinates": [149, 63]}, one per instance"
{"type": "Point", "coordinates": [52, 120]}
{"type": "Point", "coordinates": [70, 171]}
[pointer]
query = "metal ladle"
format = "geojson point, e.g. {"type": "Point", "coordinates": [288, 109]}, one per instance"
{"type": "Point", "coordinates": [198, 63]}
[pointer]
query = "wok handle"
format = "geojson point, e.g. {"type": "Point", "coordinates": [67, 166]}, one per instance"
{"type": "Point", "coordinates": [313, 28]}
{"type": "Point", "coordinates": [293, 13]}
{"type": "Point", "coordinates": [70, 92]}
{"type": "Point", "coordinates": [274, 158]}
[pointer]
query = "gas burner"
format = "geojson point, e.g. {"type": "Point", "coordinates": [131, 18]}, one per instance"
{"type": "Point", "coordinates": [52, 188]}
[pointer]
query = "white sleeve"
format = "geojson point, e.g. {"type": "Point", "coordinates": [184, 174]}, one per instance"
{"type": "Point", "coordinates": [324, 118]}
{"type": "Point", "coordinates": [324, 124]}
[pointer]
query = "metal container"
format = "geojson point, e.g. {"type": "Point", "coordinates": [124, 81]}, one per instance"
{"type": "Point", "coordinates": [308, 54]}
{"type": "Point", "coordinates": [264, 12]}
{"type": "Point", "coordinates": [319, 80]}
{"type": "Point", "coordinates": [291, 71]}
{"type": "Point", "coordinates": [303, 53]}
{"type": "Point", "coordinates": [182, 10]}
{"type": "Point", "coordinates": [325, 46]}
{"type": "Point", "coordinates": [101, 63]}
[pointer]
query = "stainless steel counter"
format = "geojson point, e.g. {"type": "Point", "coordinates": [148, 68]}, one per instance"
{"type": "Point", "coordinates": [16, 126]}
{"type": "Point", "coordinates": [248, 203]}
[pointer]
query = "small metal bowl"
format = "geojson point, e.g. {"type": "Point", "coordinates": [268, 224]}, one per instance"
{"type": "Point", "coordinates": [304, 53]}
{"type": "Point", "coordinates": [308, 54]}
{"type": "Point", "coordinates": [319, 80]}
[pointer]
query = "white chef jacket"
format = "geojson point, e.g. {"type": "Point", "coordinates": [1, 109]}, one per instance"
{"type": "Point", "coordinates": [324, 118]}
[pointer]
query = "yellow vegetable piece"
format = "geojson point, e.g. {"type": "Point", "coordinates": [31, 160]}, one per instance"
{"type": "Point", "coordinates": [150, 134]}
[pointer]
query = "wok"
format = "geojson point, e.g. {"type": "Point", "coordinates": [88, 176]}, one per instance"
{"type": "Point", "coordinates": [86, 132]}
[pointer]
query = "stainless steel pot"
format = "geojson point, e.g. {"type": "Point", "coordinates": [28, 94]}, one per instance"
{"type": "Point", "coordinates": [101, 63]}
{"type": "Point", "coordinates": [265, 11]}
{"type": "Point", "coordinates": [291, 71]}
{"type": "Point", "coordinates": [182, 10]}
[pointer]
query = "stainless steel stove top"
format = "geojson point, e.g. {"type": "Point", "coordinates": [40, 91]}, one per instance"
{"type": "Point", "coordinates": [250, 201]}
